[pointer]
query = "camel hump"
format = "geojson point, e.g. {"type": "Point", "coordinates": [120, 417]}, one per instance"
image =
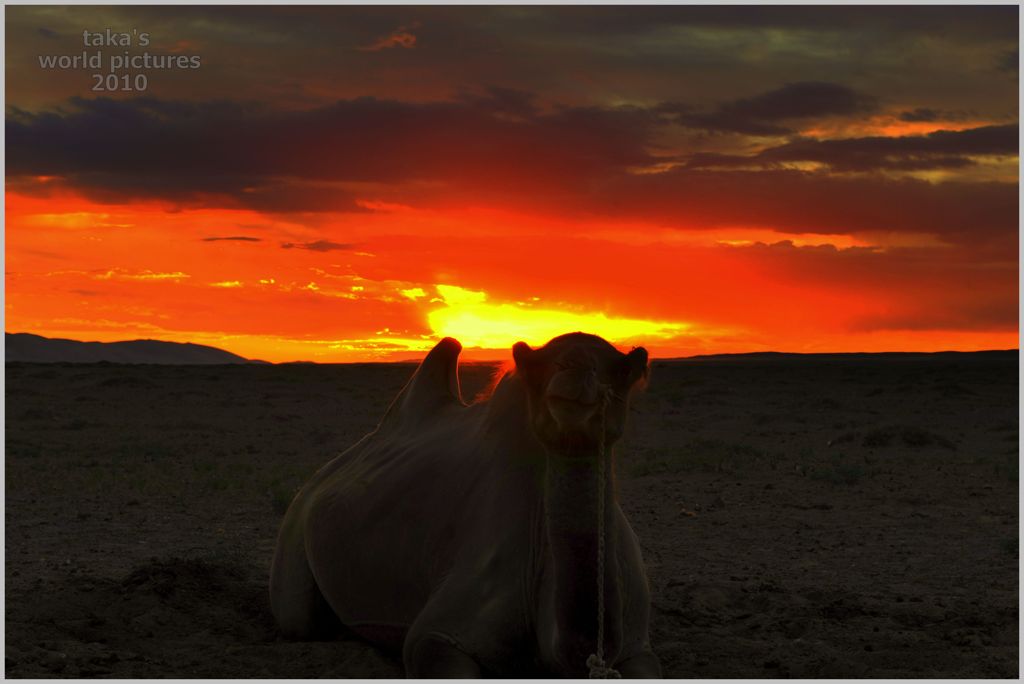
{"type": "Point", "coordinates": [433, 386]}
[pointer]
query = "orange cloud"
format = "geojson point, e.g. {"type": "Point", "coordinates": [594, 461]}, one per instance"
{"type": "Point", "coordinates": [121, 274]}
{"type": "Point", "coordinates": [488, 277]}
{"type": "Point", "coordinates": [888, 125]}
{"type": "Point", "coordinates": [402, 37]}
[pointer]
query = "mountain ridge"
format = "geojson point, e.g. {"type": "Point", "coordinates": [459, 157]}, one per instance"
{"type": "Point", "coordinates": [32, 348]}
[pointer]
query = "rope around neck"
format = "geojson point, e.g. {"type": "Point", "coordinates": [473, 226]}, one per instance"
{"type": "Point", "coordinates": [599, 669]}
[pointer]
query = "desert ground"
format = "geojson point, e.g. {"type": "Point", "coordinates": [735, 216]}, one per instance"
{"type": "Point", "coordinates": [800, 517]}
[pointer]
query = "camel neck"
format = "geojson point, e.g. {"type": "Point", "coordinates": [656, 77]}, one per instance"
{"type": "Point", "coordinates": [571, 490]}
{"type": "Point", "coordinates": [571, 507]}
{"type": "Point", "coordinates": [568, 489]}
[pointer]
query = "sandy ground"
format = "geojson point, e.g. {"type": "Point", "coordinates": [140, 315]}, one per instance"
{"type": "Point", "coordinates": [838, 518]}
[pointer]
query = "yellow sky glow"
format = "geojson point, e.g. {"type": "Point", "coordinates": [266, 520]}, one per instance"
{"type": "Point", "coordinates": [470, 318]}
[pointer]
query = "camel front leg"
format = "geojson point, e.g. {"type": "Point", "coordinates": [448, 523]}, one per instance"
{"type": "Point", "coordinates": [435, 656]}
{"type": "Point", "coordinates": [642, 665]}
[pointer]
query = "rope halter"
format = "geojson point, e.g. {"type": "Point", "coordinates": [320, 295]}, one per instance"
{"type": "Point", "coordinates": [599, 669]}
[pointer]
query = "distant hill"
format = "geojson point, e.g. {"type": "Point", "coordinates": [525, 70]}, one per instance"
{"type": "Point", "coordinates": [30, 348]}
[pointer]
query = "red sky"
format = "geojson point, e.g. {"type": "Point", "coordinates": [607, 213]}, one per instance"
{"type": "Point", "coordinates": [348, 184]}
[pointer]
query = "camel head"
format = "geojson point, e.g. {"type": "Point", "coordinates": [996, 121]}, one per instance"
{"type": "Point", "coordinates": [579, 384]}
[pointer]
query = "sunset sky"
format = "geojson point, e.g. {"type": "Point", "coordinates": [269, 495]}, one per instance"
{"type": "Point", "coordinates": [352, 184]}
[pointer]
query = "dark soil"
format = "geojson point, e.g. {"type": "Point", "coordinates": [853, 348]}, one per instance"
{"type": "Point", "coordinates": [851, 517]}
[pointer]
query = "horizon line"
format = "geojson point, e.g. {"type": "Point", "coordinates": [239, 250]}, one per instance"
{"type": "Point", "coordinates": [774, 352]}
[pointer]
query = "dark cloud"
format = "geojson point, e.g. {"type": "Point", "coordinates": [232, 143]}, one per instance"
{"type": "Point", "coordinates": [929, 114]}
{"type": "Point", "coordinates": [976, 214]}
{"type": "Point", "coordinates": [722, 122]}
{"type": "Point", "coordinates": [504, 100]}
{"type": "Point", "coordinates": [47, 33]}
{"type": "Point", "coordinates": [599, 22]}
{"type": "Point", "coordinates": [578, 55]}
{"type": "Point", "coordinates": [801, 101]}
{"type": "Point", "coordinates": [237, 238]}
{"type": "Point", "coordinates": [602, 21]}
{"type": "Point", "coordinates": [1009, 62]}
{"type": "Point", "coordinates": [319, 246]}
{"type": "Point", "coordinates": [761, 114]}
{"type": "Point", "coordinates": [226, 147]}
{"type": "Point", "coordinates": [913, 281]}
{"type": "Point", "coordinates": [608, 21]}
{"type": "Point", "coordinates": [497, 150]}
{"type": "Point", "coordinates": [938, 150]}
{"type": "Point", "coordinates": [994, 310]}
{"type": "Point", "coordinates": [267, 160]}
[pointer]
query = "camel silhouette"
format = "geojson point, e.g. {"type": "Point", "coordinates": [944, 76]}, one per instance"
{"type": "Point", "coordinates": [473, 538]}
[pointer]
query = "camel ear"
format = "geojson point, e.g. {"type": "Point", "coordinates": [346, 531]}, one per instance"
{"type": "Point", "coordinates": [638, 368]}
{"type": "Point", "coordinates": [527, 362]}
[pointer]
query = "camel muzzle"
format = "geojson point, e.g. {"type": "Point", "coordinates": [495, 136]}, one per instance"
{"type": "Point", "coordinates": [573, 398]}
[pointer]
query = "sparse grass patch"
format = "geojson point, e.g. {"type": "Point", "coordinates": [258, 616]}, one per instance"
{"type": "Point", "coordinates": [131, 452]}
{"type": "Point", "coordinates": [712, 393]}
{"type": "Point", "coordinates": [127, 381]}
{"type": "Point", "coordinates": [186, 424]}
{"type": "Point", "coordinates": [140, 484]}
{"type": "Point", "coordinates": [1008, 466]}
{"type": "Point", "coordinates": [281, 495]}
{"type": "Point", "coordinates": [675, 397]}
{"type": "Point", "coordinates": [16, 449]}
{"type": "Point", "coordinates": [35, 414]}
{"type": "Point", "coordinates": [843, 438]}
{"type": "Point", "coordinates": [653, 461]}
{"type": "Point", "coordinates": [908, 435]}
{"type": "Point", "coordinates": [952, 389]}
{"type": "Point", "coordinates": [243, 469]}
{"type": "Point", "coordinates": [285, 484]}
{"type": "Point", "coordinates": [831, 404]}
{"type": "Point", "coordinates": [699, 455]}
{"type": "Point", "coordinates": [203, 467]}
{"type": "Point", "coordinates": [839, 472]}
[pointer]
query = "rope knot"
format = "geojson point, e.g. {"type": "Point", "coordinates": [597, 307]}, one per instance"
{"type": "Point", "coordinates": [600, 670]}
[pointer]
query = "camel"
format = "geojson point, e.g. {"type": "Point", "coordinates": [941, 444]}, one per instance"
{"type": "Point", "coordinates": [467, 537]}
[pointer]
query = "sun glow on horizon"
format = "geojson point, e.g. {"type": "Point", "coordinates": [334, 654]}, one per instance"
{"type": "Point", "coordinates": [469, 317]}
